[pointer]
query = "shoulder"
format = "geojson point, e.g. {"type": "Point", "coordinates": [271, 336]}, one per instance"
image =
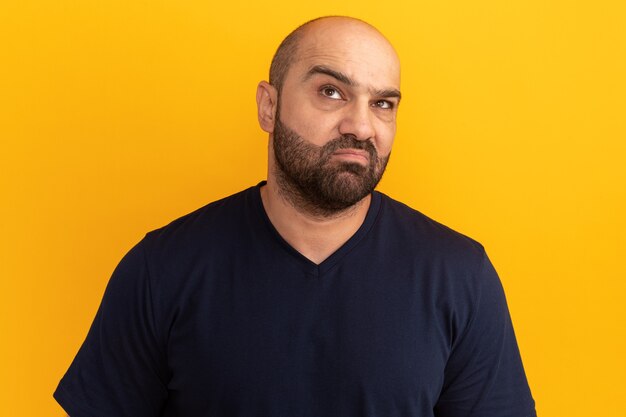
{"type": "Point", "coordinates": [201, 238]}
{"type": "Point", "coordinates": [177, 258]}
{"type": "Point", "coordinates": [453, 268]}
{"type": "Point", "coordinates": [213, 222]}
{"type": "Point", "coordinates": [431, 239]}
{"type": "Point", "coordinates": [210, 217]}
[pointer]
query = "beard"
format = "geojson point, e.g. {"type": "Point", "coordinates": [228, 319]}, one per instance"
{"type": "Point", "coordinates": [312, 181]}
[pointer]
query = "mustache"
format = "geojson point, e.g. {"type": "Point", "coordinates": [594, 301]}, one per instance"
{"type": "Point", "coordinates": [349, 142]}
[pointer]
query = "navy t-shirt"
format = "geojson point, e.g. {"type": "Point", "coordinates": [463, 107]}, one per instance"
{"type": "Point", "coordinates": [216, 315]}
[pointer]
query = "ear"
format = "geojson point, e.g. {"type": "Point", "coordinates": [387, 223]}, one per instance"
{"type": "Point", "coordinates": [266, 100]}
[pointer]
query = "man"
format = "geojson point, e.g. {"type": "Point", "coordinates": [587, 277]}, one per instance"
{"type": "Point", "coordinates": [310, 294]}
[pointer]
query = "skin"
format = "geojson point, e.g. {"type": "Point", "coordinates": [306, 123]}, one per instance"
{"type": "Point", "coordinates": [345, 80]}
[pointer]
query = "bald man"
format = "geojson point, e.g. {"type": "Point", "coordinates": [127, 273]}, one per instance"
{"type": "Point", "coordinates": [309, 294]}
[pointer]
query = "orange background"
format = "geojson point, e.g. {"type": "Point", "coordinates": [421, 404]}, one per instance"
{"type": "Point", "coordinates": [118, 116]}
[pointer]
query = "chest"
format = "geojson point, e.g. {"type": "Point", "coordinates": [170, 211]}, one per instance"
{"type": "Point", "coordinates": [283, 341]}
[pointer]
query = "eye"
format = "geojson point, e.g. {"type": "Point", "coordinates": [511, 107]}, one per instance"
{"type": "Point", "coordinates": [384, 104]}
{"type": "Point", "coordinates": [330, 92]}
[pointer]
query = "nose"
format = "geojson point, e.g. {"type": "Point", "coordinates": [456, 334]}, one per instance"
{"type": "Point", "coordinates": [357, 121]}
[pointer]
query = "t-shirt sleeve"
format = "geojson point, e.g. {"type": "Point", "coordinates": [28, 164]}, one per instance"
{"type": "Point", "coordinates": [484, 376]}
{"type": "Point", "coordinates": [120, 370]}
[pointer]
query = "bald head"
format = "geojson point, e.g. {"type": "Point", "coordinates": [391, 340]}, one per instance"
{"type": "Point", "coordinates": [326, 29]}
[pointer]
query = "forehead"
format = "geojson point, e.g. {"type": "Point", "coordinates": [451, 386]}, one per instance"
{"type": "Point", "coordinates": [354, 49]}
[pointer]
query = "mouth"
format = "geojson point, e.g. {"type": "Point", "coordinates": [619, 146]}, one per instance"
{"type": "Point", "coordinates": [353, 155]}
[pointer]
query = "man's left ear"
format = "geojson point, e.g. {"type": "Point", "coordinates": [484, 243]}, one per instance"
{"type": "Point", "coordinates": [266, 100]}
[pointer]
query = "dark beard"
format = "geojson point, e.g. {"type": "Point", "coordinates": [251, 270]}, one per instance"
{"type": "Point", "coordinates": [310, 181]}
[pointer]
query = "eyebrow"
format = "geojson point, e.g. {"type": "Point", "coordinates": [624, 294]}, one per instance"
{"type": "Point", "coordinates": [343, 78]}
{"type": "Point", "coordinates": [393, 93]}
{"type": "Point", "coordinates": [339, 76]}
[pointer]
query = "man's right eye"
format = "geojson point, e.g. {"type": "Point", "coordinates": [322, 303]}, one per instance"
{"type": "Point", "coordinates": [331, 92]}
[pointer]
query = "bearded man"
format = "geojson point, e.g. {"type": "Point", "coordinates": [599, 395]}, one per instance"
{"type": "Point", "coordinates": [310, 294]}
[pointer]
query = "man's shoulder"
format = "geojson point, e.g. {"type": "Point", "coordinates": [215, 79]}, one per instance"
{"type": "Point", "coordinates": [214, 221]}
{"type": "Point", "coordinates": [416, 229]}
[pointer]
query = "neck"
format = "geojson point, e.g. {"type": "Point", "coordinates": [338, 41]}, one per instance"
{"type": "Point", "coordinates": [316, 235]}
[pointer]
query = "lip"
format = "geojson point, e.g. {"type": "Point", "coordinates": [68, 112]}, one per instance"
{"type": "Point", "coordinates": [353, 154]}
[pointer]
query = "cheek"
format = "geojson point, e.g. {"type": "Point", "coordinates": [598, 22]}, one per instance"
{"type": "Point", "coordinates": [385, 138]}
{"type": "Point", "coordinates": [316, 130]}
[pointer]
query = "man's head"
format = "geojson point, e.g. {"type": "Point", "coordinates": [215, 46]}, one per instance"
{"type": "Point", "coordinates": [330, 109]}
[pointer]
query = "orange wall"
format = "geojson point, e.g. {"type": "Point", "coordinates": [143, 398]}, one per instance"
{"type": "Point", "coordinates": [118, 116]}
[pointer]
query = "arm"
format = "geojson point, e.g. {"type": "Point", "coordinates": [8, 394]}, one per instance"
{"type": "Point", "coordinates": [484, 375]}
{"type": "Point", "coordinates": [121, 368]}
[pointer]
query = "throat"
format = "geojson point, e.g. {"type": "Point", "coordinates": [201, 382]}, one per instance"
{"type": "Point", "coordinates": [314, 236]}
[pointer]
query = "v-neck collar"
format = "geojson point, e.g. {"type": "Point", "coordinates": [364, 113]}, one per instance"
{"type": "Point", "coordinates": [305, 263]}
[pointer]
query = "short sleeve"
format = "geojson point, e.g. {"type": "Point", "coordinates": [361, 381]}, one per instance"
{"type": "Point", "coordinates": [484, 376]}
{"type": "Point", "coordinates": [120, 370]}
